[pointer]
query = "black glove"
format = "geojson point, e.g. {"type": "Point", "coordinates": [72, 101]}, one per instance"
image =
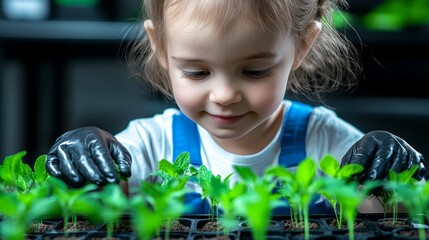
{"type": "Point", "coordinates": [88, 154]}
{"type": "Point", "coordinates": [380, 151]}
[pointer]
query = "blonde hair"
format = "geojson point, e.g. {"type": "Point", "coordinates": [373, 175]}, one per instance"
{"type": "Point", "coordinates": [330, 64]}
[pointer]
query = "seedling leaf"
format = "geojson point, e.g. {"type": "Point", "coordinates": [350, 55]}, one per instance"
{"type": "Point", "coordinates": [11, 169]}
{"type": "Point", "coordinates": [329, 165]}
{"type": "Point", "coordinates": [348, 170]}
{"type": "Point", "coordinates": [167, 167]}
{"type": "Point", "coordinates": [246, 174]}
{"type": "Point", "coordinates": [305, 172]}
{"type": "Point", "coordinates": [182, 162]}
{"type": "Point", "coordinates": [40, 173]}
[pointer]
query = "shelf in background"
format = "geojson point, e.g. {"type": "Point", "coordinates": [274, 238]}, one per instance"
{"type": "Point", "coordinates": [68, 30]}
{"type": "Point", "coordinates": [116, 30]}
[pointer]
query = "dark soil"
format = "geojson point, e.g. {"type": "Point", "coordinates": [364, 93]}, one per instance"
{"type": "Point", "coordinates": [291, 226]}
{"type": "Point", "coordinates": [39, 227]}
{"type": "Point", "coordinates": [81, 225]}
{"type": "Point", "coordinates": [121, 227]}
{"type": "Point", "coordinates": [176, 226]}
{"type": "Point", "coordinates": [357, 225]}
{"type": "Point", "coordinates": [211, 226]}
{"type": "Point", "coordinates": [387, 223]}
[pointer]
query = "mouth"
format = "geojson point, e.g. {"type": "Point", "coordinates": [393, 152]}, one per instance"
{"type": "Point", "coordinates": [226, 119]}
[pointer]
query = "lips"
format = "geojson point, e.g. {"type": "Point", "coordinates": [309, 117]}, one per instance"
{"type": "Point", "coordinates": [226, 119]}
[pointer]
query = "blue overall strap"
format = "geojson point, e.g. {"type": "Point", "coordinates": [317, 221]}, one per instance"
{"type": "Point", "coordinates": [294, 133]}
{"type": "Point", "coordinates": [186, 138]}
{"type": "Point", "coordinates": [293, 151]}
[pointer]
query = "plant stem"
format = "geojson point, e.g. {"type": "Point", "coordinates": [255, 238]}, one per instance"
{"type": "Point", "coordinates": [395, 213]}
{"type": "Point", "coordinates": [217, 221]}
{"type": "Point", "coordinates": [167, 229]}
{"type": "Point", "coordinates": [341, 215]}
{"type": "Point", "coordinates": [74, 219]}
{"type": "Point", "coordinates": [65, 223]}
{"type": "Point", "coordinates": [306, 223]}
{"type": "Point", "coordinates": [259, 235]}
{"type": "Point", "coordinates": [350, 225]}
{"type": "Point", "coordinates": [110, 230]}
{"type": "Point", "coordinates": [336, 216]}
{"type": "Point", "coordinates": [422, 231]}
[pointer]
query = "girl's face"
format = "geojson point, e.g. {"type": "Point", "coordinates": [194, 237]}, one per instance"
{"type": "Point", "coordinates": [231, 84]}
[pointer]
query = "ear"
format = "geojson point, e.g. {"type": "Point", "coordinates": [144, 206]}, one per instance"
{"type": "Point", "coordinates": [310, 35]}
{"type": "Point", "coordinates": [150, 31]}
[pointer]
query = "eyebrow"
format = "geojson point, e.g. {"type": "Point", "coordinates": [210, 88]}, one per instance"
{"type": "Point", "coordinates": [186, 59]}
{"type": "Point", "coordinates": [250, 57]}
{"type": "Point", "coordinates": [261, 55]}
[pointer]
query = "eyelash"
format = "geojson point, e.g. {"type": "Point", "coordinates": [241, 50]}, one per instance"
{"type": "Point", "coordinates": [257, 74]}
{"type": "Point", "coordinates": [199, 75]}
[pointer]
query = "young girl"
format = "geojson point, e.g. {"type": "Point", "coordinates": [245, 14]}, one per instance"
{"type": "Point", "coordinates": [227, 65]}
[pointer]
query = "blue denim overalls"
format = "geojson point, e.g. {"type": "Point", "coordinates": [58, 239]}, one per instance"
{"type": "Point", "coordinates": [294, 131]}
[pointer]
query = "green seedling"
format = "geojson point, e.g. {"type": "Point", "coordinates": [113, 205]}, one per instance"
{"type": "Point", "coordinates": [388, 196]}
{"type": "Point", "coordinates": [207, 181]}
{"type": "Point", "coordinates": [257, 202]}
{"type": "Point", "coordinates": [20, 209]}
{"type": "Point", "coordinates": [298, 188]}
{"type": "Point", "coordinates": [15, 175]}
{"type": "Point", "coordinates": [73, 202]}
{"type": "Point", "coordinates": [155, 204]}
{"type": "Point", "coordinates": [112, 204]}
{"type": "Point", "coordinates": [349, 196]}
{"type": "Point", "coordinates": [169, 171]}
{"type": "Point", "coordinates": [415, 198]}
{"type": "Point", "coordinates": [40, 173]}
{"type": "Point", "coordinates": [227, 199]}
{"type": "Point", "coordinates": [332, 168]}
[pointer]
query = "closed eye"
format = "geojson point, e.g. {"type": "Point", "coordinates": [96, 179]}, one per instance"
{"type": "Point", "coordinates": [256, 74]}
{"type": "Point", "coordinates": [195, 75]}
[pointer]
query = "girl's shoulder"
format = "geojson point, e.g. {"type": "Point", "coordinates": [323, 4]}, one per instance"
{"type": "Point", "coordinates": [328, 133]}
{"type": "Point", "coordinates": [317, 112]}
{"type": "Point", "coordinates": [322, 112]}
{"type": "Point", "coordinates": [327, 119]}
{"type": "Point", "coordinates": [156, 127]}
{"type": "Point", "coordinates": [163, 119]}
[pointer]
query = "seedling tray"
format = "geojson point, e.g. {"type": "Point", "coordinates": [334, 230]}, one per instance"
{"type": "Point", "coordinates": [368, 226]}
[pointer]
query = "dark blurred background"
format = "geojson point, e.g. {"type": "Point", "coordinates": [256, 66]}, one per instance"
{"type": "Point", "coordinates": [62, 66]}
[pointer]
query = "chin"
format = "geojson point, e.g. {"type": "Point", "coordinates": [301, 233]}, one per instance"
{"type": "Point", "coordinates": [226, 134]}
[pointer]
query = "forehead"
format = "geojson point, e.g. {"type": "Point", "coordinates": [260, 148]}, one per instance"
{"type": "Point", "coordinates": [225, 15]}
{"type": "Point", "coordinates": [189, 39]}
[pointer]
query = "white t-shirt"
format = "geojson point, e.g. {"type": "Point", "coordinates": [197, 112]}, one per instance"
{"type": "Point", "coordinates": [150, 139]}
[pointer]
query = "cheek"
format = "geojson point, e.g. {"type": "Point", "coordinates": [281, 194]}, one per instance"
{"type": "Point", "coordinates": [185, 99]}
{"type": "Point", "coordinates": [267, 101]}
{"type": "Point", "coordinates": [186, 95]}
{"type": "Point", "coordinates": [268, 97]}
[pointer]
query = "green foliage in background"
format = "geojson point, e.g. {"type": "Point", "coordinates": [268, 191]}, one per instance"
{"type": "Point", "coordinates": [83, 3]}
{"type": "Point", "coordinates": [390, 15]}
{"type": "Point", "coordinates": [397, 15]}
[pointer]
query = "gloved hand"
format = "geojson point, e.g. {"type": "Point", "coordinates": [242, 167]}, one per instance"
{"type": "Point", "coordinates": [380, 151]}
{"type": "Point", "coordinates": [88, 154]}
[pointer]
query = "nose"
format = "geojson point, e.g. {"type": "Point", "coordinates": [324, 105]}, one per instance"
{"type": "Point", "coordinates": [224, 92]}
